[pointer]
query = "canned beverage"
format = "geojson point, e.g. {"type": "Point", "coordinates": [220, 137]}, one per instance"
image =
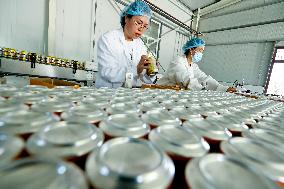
{"type": "Point", "coordinates": [8, 106]}
{"type": "Point", "coordinates": [49, 60]}
{"type": "Point", "coordinates": [6, 52]}
{"type": "Point", "coordinates": [159, 117]}
{"type": "Point", "coordinates": [129, 163]}
{"type": "Point", "coordinates": [24, 122]}
{"type": "Point", "coordinates": [151, 70]}
{"type": "Point", "coordinates": [123, 107]}
{"type": "Point", "coordinates": [32, 57]}
{"type": "Point", "coordinates": [265, 135]}
{"type": "Point", "coordinates": [12, 54]}
{"type": "Point", "coordinates": [232, 123]}
{"type": "Point", "coordinates": [67, 140]}
{"type": "Point", "coordinates": [11, 148]}
{"type": "Point", "coordinates": [150, 105]}
{"type": "Point", "coordinates": [124, 125]}
{"type": "Point", "coordinates": [53, 106]}
{"type": "Point", "coordinates": [23, 56]}
{"type": "Point", "coordinates": [222, 172]}
{"type": "Point", "coordinates": [68, 63]}
{"type": "Point", "coordinates": [58, 62]}
{"type": "Point", "coordinates": [184, 113]}
{"type": "Point", "coordinates": [181, 144]}
{"type": "Point", "coordinates": [212, 133]}
{"type": "Point", "coordinates": [84, 114]}
{"type": "Point", "coordinates": [39, 59]}
{"type": "Point", "coordinates": [44, 174]}
{"type": "Point", "coordinates": [1, 52]}
{"type": "Point", "coordinates": [266, 158]}
{"type": "Point", "coordinates": [270, 125]}
{"type": "Point", "coordinates": [29, 99]}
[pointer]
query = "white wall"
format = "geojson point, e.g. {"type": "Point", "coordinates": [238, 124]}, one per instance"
{"type": "Point", "coordinates": [240, 40]}
{"type": "Point", "coordinates": [71, 34]}
{"type": "Point", "coordinates": [23, 24]}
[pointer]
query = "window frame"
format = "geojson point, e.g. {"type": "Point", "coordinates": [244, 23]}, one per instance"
{"type": "Point", "coordinates": [271, 67]}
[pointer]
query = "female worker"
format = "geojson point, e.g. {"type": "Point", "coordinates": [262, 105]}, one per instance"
{"type": "Point", "coordinates": [122, 56]}
{"type": "Point", "coordinates": [185, 72]}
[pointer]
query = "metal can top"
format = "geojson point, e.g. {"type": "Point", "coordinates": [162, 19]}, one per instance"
{"type": "Point", "coordinates": [266, 135]}
{"type": "Point", "coordinates": [7, 106]}
{"type": "Point", "coordinates": [179, 141]}
{"type": "Point", "coordinates": [129, 163]}
{"type": "Point", "coordinates": [230, 122]}
{"type": "Point", "coordinates": [45, 174]}
{"type": "Point", "coordinates": [25, 121]}
{"type": "Point", "coordinates": [65, 139]}
{"type": "Point", "coordinates": [150, 105]}
{"type": "Point", "coordinates": [52, 106]}
{"type": "Point", "coordinates": [123, 107]}
{"type": "Point", "coordinates": [264, 156]}
{"type": "Point", "coordinates": [208, 129]}
{"type": "Point", "coordinates": [84, 114]}
{"type": "Point", "coordinates": [10, 147]}
{"type": "Point", "coordinates": [222, 172]}
{"type": "Point", "coordinates": [160, 117]}
{"type": "Point", "coordinates": [125, 125]}
{"type": "Point", "coordinates": [270, 125]}
{"type": "Point", "coordinates": [184, 113]}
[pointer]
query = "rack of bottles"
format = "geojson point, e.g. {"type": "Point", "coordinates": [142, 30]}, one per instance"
{"type": "Point", "coordinates": [17, 62]}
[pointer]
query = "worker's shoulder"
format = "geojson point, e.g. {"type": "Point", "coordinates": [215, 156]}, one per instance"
{"type": "Point", "coordinates": [112, 35]}
{"type": "Point", "coordinates": [179, 60]}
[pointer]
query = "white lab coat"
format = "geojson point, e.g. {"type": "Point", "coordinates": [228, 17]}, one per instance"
{"type": "Point", "coordinates": [114, 60]}
{"type": "Point", "coordinates": [180, 73]}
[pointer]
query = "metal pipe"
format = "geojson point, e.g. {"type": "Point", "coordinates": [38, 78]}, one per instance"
{"type": "Point", "coordinates": [170, 17]}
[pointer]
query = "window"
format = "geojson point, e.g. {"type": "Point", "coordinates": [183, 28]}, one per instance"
{"type": "Point", "coordinates": [275, 83]}
{"type": "Point", "coordinates": [151, 37]}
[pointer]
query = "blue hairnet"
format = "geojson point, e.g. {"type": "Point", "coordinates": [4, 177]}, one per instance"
{"type": "Point", "coordinates": [192, 43]}
{"type": "Point", "coordinates": [137, 8]}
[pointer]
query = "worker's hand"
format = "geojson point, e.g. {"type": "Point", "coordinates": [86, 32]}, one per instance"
{"type": "Point", "coordinates": [231, 90]}
{"type": "Point", "coordinates": [143, 64]}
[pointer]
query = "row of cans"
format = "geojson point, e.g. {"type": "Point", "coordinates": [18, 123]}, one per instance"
{"type": "Point", "coordinates": [196, 140]}
{"type": "Point", "coordinates": [37, 58]}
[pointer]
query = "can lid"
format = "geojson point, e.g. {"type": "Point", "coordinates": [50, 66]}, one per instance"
{"type": "Point", "coordinates": [265, 135]}
{"type": "Point", "coordinates": [65, 139]}
{"type": "Point", "coordinates": [129, 163]}
{"type": "Point", "coordinates": [10, 147]}
{"type": "Point", "coordinates": [84, 114]}
{"type": "Point", "coordinates": [222, 172]}
{"type": "Point", "coordinates": [268, 125]}
{"type": "Point", "coordinates": [184, 113]}
{"type": "Point", "coordinates": [179, 140]}
{"type": "Point", "coordinates": [229, 122]}
{"type": "Point", "coordinates": [45, 174]}
{"type": "Point", "coordinates": [52, 106]}
{"type": "Point", "coordinates": [208, 129]}
{"type": "Point", "coordinates": [125, 125]}
{"type": "Point", "coordinates": [123, 107]}
{"type": "Point", "coordinates": [266, 157]}
{"type": "Point", "coordinates": [160, 117]}
{"type": "Point", "coordinates": [25, 121]}
{"type": "Point", "coordinates": [150, 105]}
{"type": "Point", "coordinates": [11, 106]}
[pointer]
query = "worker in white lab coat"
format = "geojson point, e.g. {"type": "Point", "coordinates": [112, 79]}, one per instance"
{"type": "Point", "coordinates": [184, 70]}
{"type": "Point", "coordinates": [122, 56]}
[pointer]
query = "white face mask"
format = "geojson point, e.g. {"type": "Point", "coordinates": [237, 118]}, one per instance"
{"type": "Point", "coordinates": [197, 57]}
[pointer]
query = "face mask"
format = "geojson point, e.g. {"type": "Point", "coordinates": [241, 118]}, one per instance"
{"type": "Point", "coordinates": [197, 57]}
